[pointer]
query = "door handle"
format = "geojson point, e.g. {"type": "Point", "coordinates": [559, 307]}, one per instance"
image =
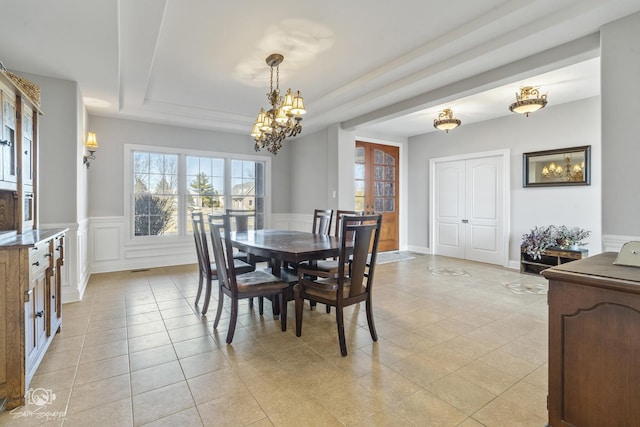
{"type": "Point", "coordinates": [465, 221]}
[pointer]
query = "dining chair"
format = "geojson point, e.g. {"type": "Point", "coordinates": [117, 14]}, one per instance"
{"type": "Point", "coordinates": [236, 286]}
{"type": "Point", "coordinates": [322, 219]}
{"type": "Point", "coordinates": [242, 220]}
{"type": "Point", "coordinates": [352, 284]}
{"type": "Point", "coordinates": [208, 271]}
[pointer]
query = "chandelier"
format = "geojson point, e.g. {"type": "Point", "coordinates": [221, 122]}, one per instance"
{"type": "Point", "coordinates": [568, 173]}
{"type": "Point", "coordinates": [528, 101]}
{"type": "Point", "coordinates": [446, 121]}
{"type": "Point", "coordinates": [283, 119]}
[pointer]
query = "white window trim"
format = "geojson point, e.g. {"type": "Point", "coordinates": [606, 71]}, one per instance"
{"type": "Point", "coordinates": [183, 153]}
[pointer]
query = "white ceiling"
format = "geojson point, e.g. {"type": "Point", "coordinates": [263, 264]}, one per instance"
{"type": "Point", "coordinates": [385, 67]}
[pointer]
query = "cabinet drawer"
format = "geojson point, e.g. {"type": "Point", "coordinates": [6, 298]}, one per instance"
{"type": "Point", "coordinates": [40, 258]}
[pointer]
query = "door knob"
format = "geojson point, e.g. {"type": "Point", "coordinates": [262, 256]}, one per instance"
{"type": "Point", "coordinates": [465, 221]}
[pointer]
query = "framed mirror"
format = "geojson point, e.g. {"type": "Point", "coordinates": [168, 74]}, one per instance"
{"type": "Point", "coordinates": [564, 166]}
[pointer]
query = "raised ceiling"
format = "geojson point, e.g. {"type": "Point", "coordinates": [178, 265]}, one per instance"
{"type": "Point", "coordinates": [386, 67]}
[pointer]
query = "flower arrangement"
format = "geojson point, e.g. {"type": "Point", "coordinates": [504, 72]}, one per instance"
{"type": "Point", "coordinates": [536, 242]}
{"type": "Point", "coordinates": [575, 236]}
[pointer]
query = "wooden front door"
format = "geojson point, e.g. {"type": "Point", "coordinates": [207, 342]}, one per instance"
{"type": "Point", "coordinates": [377, 187]}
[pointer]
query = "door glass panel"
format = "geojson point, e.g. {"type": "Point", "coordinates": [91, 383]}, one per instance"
{"type": "Point", "coordinates": [389, 173]}
{"type": "Point", "coordinates": [379, 189]}
{"type": "Point", "coordinates": [390, 189]}
{"type": "Point", "coordinates": [378, 173]}
{"type": "Point", "coordinates": [359, 155]}
{"type": "Point", "coordinates": [389, 205]}
{"type": "Point", "coordinates": [389, 160]}
{"type": "Point", "coordinates": [359, 171]}
{"type": "Point", "coordinates": [379, 204]}
{"type": "Point", "coordinates": [378, 157]}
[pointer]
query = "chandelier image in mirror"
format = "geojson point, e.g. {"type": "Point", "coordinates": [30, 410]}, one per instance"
{"type": "Point", "coordinates": [283, 119]}
{"type": "Point", "coordinates": [564, 166]}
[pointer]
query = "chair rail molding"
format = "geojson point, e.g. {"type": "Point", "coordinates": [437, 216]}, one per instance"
{"type": "Point", "coordinates": [614, 242]}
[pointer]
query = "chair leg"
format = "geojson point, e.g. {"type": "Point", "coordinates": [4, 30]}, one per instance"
{"type": "Point", "coordinates": [340, 322]}
{"type": "Point", "coordinates": [200, 281]}
{"type": "Point", "coordinates": [328, 309]}
{"type": "Point", "coordinates": [233, 320]}
{"type": "Point", "coordinates": [283, 310]}
{"type": "Point", "coordinates": [372, 326]}
{"type": "Point", "coordinates": [219, 312]}
{"type": "Point", "coordinates": [260, 305]}
{"type": "Point", "coordinates": [207, 296]}
{"type": "Point", "coordinates": [250, 302]}
{"type": "Point", "coordinates": [299, 306]}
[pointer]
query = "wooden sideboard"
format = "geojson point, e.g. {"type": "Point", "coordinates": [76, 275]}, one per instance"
{"type": "Point", "coordinates": [594, 343]}
{"type": "Point", "coordinates": [30, 297]}
{"type": "Point", "coordinates": [552, 256]}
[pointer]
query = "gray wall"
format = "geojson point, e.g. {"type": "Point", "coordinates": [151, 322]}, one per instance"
{"type": "Point", "coordinates": [309, 172]}
{"type": "Point", "coordinates": [59, 156]}
{"type": "Point", "coordinates": [106, 174]}
{"type": "Point", "coordinates": [566, 125]}
{"type": "Point", "coordinates": [620, 76]}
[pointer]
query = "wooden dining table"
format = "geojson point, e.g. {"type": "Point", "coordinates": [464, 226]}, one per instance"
{"type": "Point", "coordinates": [286, 246]}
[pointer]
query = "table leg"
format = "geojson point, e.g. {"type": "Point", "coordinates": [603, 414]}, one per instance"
{"type": "Point", "coordinates": [276, 266]}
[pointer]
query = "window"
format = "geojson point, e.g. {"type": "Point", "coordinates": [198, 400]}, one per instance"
{"type": "Point", "coordinates": [167, 185]}
{"type": "Point", "coordinates": [155, 193]}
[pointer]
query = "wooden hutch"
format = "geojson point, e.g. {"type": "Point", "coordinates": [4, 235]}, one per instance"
{"type": "Point", "coordinates": [31, 259]}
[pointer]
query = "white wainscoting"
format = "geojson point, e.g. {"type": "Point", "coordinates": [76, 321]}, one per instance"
{"type": "Point", "coordinates": [298, 222]}
{"type": "Point", "coordinates": [110, 249]}
{"type": "Point", "coordinates": [75, 272]}
{"type": "Point", "coordinates": [613, 243]}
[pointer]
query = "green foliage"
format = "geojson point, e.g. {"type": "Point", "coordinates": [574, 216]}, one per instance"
{"type": "Point", "coordinates": [204, 189]}
{"type": "Point", "coordinates": [154, 214]}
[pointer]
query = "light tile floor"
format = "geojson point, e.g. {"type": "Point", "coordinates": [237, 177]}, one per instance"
{"type": "Point", "coordinates": [453, 350]}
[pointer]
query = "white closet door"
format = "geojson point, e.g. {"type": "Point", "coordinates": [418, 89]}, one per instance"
{"type": "Point", "coordinates": [449, 209]}
{"type": "Point", "coordinates": [483, 210]}
{"type": "Point", "coordinates": [469, 198]}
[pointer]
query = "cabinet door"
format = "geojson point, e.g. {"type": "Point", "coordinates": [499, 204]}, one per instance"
{"type": "Point", "coordinates": [27, 146]}
{"type": "Point", "coordinates": [9, 145]}
{"type": "Point", "coordinates": [30, 343]}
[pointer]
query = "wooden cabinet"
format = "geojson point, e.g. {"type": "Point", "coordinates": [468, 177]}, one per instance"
{"type": "Point", "coordinates": [31, 260]}
{"type": "Point", "coordinates": [594, 343]}
{"type": "Point", "coordinates": [30, 270]}
{"type": "Point", "coordinates": [19, 157]}
{"type": "Point", "coordinates": [552, 257]}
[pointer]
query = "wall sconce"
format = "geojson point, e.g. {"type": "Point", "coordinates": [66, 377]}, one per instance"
{"type": "Point", "coordinates": [92, 145]}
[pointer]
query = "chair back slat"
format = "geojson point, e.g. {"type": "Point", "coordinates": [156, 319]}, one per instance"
{"type": "Point", "coordinates": [339, 215]}
{"type": "Point", "coordinates": [200, 237]}
{"type": "Point", "coordinates": [239, 219]}
{"type": "Point", "coordinates": [322, 219]}
{"type": "Point", "coordinates": [360, 244]}
{"type": "Point", "coordinates": [220, 240]}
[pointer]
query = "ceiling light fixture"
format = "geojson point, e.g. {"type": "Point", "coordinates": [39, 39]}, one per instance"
{"type": "Point", "coordinates": [528, 101]}
{"type": "Point", "coordinates": [446, 121]}
{"type": "Point", "coordinates": [283, 119]}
